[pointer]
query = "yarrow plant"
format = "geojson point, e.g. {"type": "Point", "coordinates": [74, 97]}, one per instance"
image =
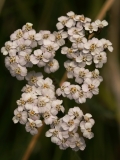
{"type": "Point", "coordinates": [40, 100]}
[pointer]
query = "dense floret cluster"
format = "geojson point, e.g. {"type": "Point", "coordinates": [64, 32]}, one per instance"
{"type": "Point", "coordinates": [39, 100]}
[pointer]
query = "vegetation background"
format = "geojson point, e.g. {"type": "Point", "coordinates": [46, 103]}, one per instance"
{"type": "Point", "coordinates": [105, 107]}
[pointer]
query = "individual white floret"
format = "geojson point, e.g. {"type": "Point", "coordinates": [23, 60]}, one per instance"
{"type": "Point", "coordinates": [29, 99]}
{"type": "Point", "coordinates": [18, 34]}
{"type": "Point", "coordinates": [10, 47]}
{"type": "Point", "coordinates": [83, 59]}
{"type": "Point", "coordinates": [94, 46]}
{"type": "Point", "coordinates": [78, 41]}
{"type": "Point", "coordinates": [51, 66]}
{"type": "Point", "coordinates": [39, 58]}
{"type": "Point", "coordinates": [46, 37]}
{"type": "Point", "coordinates": [24, 58]}
{"type": "Point", "coordinates": [54, 132]}
{"type": "Point", "coordinates": [81, 74]}
{"type": "Point", "coordinates": [91, 27]}
{"type": "Point", "coordinates": [20, 115]}
{"type": "Point", "coordinates": [60, 36]}
{"type": "Point", "coordinates": [82, 19]}
{"type": "Point", "coordinates": [49, 49]}
{"type": "Point", "coordinates": [90, 86]}
{"type": "Point", "coordinates": [64, 21]}
{"type": "Point", "coordinates": [70, 65]}
{"type": "Point", "coordinates": [46, 84]}
{"type": "Point", "coordinates": [43, 104]}
{"type": "Point", "coordinates": [75, 112]}
{"type": "Point", "coordinates": [82, 96]}
{"type": "Point", "coordinates": [33, 111]}
{"type": "Point", "coordinates": [107, 44]}
{"type": "Point", "coordinates": [18, 71]}
{"type": "Point", "coordinates": [32, 77]}
{"type": "Point", "coordinates": [87, 125]}
{"type": "Point", "coordinates": [48, 117]}
{"type": "Point", "coordinates": [32, 126]}
{"type": "Point", "coordinates": [61, 90]}
{"type": "Point", "coordinates": [27, 27]}
{"type": "Point", "coordinates": [56, 107]}
{"type": "Point", "coordinates": [72, 91]}
{"type": "Point", "coordinates": [101, 24]}
{"type": "Point", "coordinates": [22, 44]}
{"type": "Point", "coordinates": [68, 51]}
{"type": "Point", "coordinates": [50, 94]}
{"type": "Point", "coordinates": [30, 38]}
{"type": "Point", "coordinates": [10, 60]}
{"type": "Point", "coordinates": [100, 59]}
{"type": "Point", "coordinates": [62, 143]}
{"type": "Point", "coordinates": [77, 143]}
{"type": "Point", "coordinates": [75, 31]}
{"type": "Point", "coordinates": [71, 15]}
{"type": "Point", "coordinates": [95, 75]}
{"type": "Point", "coordinates": [29, 89]}
{"type": "Point", "coordinates": [69, 123]}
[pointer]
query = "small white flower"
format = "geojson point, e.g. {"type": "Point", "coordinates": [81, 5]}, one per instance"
{"type": "Point", "coordinates": [56, 107]}
{"type": "Point", "coordinates": [68, 51]}
{"type": "Point", "coordinates": [24, 58]}
{"type": "Point", "coordinates": [60, 36]}
{"type": "Point", "coordinates": [82, 19]}
{"type": "Point", "coordinates": [100, 59]}
{"type": "Point", "coordinates": [72, 91]}
{"type": "Point", "coordinates": [32, 77]}
{"type": "Point", "coordinates": [101, 24]}
{"type": "Point", "coordinates": [46, 84]}
{"type": "Point", "coordinates": [27, 27]}
{"type": "Point", "coordinates": [91, 27]}
{"type": "Point", "coordinates": [43, 104]}
{"type": "Point", "coordinates": [30, 37]}
{"type": "Point", "coordinates": [39, 58]}
{"type": "Point", "coordinates": [29, 89]}
{"type": "Point", "coordinates": [94, 46]}
{"type": "Point", "coordinates": [18, 71]}
{"type": "Point", "coordinates": [75, 31]}
{"type": "Point", "coordinates": [32, 126]}
{"type": "Point", "coordinates": [48, 117]}
{"type": "Point", "coordinates": [46, 37]}
{"type": "Point", "coordinates": [9, 47]}
{"type": "Point", "coordinates": [75, 112]}
{"type": "Point", "coordinates": [20, 115]}
{"type": "Point", "coordinates": [69, 123]}
{"type": "Point", "coordinates": [61, 90]}
{"type": "Point", "coordinates": [18, 34]}
{"type": "Point", "coordinates": [77, 143]}
{"type": "Point", "coordinates": [82, 96]}
{"type": "Point", "coordinates": [107, 44]}
{"type": "Point", "coordinates": [10, 60]}
{"type": "Point", "coordinates": [95, 75]}
{"type": "Point", "coordinates": [91, 87]}
{"type": "Point", "coordinates": [83, 59]}
{"type": "Point", "coordinates": [63, 22]}
{"type": "Point", "coordinates": [70, 65]}
{"type": "Point", "coordinates": [52, 66]}
{"type": "Point", "coordinates": [81, 74]}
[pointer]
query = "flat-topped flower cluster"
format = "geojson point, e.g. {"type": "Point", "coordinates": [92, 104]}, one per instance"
{"type": "Point", "coordinates": [39, 101]}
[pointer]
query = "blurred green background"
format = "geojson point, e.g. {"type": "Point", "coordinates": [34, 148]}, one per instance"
{"type": "Point", "coordinates": [104, 107]}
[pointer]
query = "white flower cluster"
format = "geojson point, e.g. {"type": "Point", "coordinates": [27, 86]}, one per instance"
{"type": "Point", "coordinates": [90, 80]}
{"type": "Point", "coordinates": [65, 132]}
{"type": "Point", "coordinates": [84, 51]}
{"type": "Point", "coordinates": [39, 101]}
{"type": "Point", "coordinates": [27, 48]}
